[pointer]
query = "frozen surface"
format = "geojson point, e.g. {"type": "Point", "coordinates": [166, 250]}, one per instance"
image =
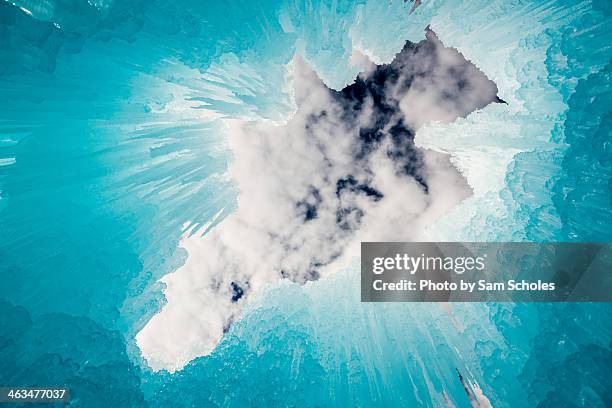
{"type": "Point", "coordinates": [112, 148]}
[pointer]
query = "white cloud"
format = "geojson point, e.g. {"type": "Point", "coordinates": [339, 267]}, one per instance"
{"type": "Point", "coordinates": [452, 88]}
{"type": "Point", "coordinates": [341, 171]}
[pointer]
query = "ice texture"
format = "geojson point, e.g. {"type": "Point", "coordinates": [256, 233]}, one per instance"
{"type": "Point", "coordinates": [111, 150]}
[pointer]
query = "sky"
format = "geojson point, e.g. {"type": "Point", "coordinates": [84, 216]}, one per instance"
{"type": "Point", "coordinates": [343, 169]}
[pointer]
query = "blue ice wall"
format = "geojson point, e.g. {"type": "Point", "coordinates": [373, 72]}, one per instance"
{"type": "Point", "coordinates": [110, 149]}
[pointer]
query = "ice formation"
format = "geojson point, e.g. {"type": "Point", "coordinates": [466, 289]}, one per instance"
{"type": "Point", "coordinates": [112, 148]}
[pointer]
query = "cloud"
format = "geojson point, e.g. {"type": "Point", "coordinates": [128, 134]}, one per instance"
{"type": "Point", "coordinates": [342, 170]}
{"type": "Point", "coordinates": [444, 85]}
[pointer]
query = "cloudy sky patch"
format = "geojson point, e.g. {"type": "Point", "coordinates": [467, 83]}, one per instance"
{"type": "Point", "coordinates": [342, 170]}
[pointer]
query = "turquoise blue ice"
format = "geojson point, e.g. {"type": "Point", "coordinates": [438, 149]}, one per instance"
{"type": "Point", "coordinates": [111, 147]}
